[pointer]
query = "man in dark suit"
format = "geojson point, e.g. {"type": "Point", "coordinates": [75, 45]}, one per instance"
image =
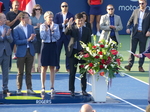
{"type": "Point", "coordinates": [62, 19]}
{"type": "Point", "coordinates": [5, 50]}
{"type": "Point", "coordinates": [140, 20]}
{"type": "Point", "coordinates": [24, 36]}
{"type": "Point", "coordinates": [77, 33]}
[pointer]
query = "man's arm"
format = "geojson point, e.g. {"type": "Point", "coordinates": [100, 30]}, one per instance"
{"type": "Point", "coordinates": [10, 23]}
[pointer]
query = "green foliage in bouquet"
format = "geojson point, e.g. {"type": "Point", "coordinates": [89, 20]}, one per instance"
{"type": "Point", "coordinates": [101, 56]}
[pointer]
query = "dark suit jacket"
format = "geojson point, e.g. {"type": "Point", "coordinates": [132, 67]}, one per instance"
{"type": "Point", "coordinates": [134, 21]}
{"type": "Point", "coordinates": [21, 40]}
{"type": "Point", "coordinates": [74, 33]}
{"type": "Point", "coordinates": [88, 25]}
{"type": "Point", "coordinates": [58, 19]}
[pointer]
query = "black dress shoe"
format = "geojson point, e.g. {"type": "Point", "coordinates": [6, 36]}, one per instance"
{"type": "Point", "coordinates": [6, 91]}
{"type": "Point", "coordinates": [84, 93]}
{"type": "Point", "coordinates": [72, 93]}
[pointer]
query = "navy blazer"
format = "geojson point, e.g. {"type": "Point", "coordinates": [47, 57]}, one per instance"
{"type": "Point", "coordinates": [58, 19]}
{"type": "Point", "coordinates": [21, 42]}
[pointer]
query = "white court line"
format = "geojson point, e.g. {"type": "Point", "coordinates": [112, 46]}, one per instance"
{"type": "Point", "coordinates": [118, 98]}
{"type": "Point", "coordinates": [136, 79]}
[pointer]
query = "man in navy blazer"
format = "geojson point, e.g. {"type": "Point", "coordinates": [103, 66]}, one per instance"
{"type": "Point", "coordinates": [5, 50]}
{"type": "Point", "coordinates": [24, 36]}
{"type": "Point", "coordinates": [61, 19]}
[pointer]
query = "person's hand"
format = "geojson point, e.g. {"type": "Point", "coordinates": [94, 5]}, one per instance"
{"type": "Point", "coordinates": [81, 52]}
{"type": "Point", "coordinates": [31, 37]}
{"type": "Point", "coordinates": [38, 25]}
{"type": "Point", "coordinates": [128, 31]}
{"type": "Point", "coordinates": [4, 32]}
{"type": "Point", "coordinates": [70, 22]}
{"type": "Point", "coordinates": [18, 16]}
{"type": "Point", "coordinates": [137, 55]}
{"type": "Point", "coordinates": [147, 34]}
{"type": "Point", "coordinates": [66, 21]}
{"type": "Point", "coordinates": [8, 32]}
{"type": "Point", "coordinates": [112, 27]}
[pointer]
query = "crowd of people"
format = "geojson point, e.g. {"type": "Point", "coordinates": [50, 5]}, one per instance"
{"type": "Point", "coordinates": [45, 34]}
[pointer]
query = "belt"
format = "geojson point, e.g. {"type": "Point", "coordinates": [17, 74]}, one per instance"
{"type": "Point", "coordinates": [139, 30]}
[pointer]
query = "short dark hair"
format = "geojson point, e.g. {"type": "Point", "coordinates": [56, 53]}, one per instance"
{"type": "Point", "coordinates": [78, 16]}
{"type": "Point", "coordinates": [22, 14]}
{"type": "Point", "coordinates": [86, 16]}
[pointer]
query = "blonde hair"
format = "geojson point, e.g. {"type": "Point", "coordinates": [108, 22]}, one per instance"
{"type": "Point", "coordinates": [47, 13]}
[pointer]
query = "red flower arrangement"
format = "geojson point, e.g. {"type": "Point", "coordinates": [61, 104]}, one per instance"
{"type": "Point", "coordinates": [102, 56]}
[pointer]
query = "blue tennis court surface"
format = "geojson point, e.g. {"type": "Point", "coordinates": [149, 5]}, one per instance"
{"type": "Point", "coordinates": [126, 94]}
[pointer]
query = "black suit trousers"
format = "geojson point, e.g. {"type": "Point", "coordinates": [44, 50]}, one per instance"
{"type": "Point", "coordinates": [140, 38]}
{"type": "Point", "coordinates": [73, 67]}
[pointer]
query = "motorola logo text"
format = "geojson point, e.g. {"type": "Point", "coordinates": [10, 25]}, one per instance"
{"type": "Point", "coordinates": [129, 7]}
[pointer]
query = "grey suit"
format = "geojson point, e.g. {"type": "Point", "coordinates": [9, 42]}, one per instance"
{"type": "Point", "coordinates": [138, 36]}
{"type": "Point", "coordinates": [5, 52]}
{"type": "Point", "coordinates": [105, 23]}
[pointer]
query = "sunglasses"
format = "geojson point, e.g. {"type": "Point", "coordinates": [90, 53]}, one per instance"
{"type": "Point", "coordinates": [111, 9]}
{"type": "Point", "coordinates": [64, 6]}
{"type": "Point", "coordinates": [37, 9]}
{"type": "Point", "coordinates": [141, 3]}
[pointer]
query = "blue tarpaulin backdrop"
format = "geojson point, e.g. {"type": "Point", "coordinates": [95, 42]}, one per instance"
{"type": "Point", "coordinates": [123, 8]}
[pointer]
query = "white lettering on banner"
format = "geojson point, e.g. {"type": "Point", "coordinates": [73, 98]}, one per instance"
{"type": "Point", "coordinates": [43, 101]}
{"type": "Point", "coordinates": [129, 7]}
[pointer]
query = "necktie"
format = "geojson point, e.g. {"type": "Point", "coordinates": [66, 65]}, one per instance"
{"type": "Point", "coordinates": [79, 39]}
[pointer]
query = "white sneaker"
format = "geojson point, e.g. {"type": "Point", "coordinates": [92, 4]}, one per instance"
{"type": "Point", "coordinates": [43, 91]}
{"type": "Point", "coordinates": [19, 91]}
{"type": "Point", "coordinates": [30, 91]}
{"type": "Point", "coordinates": [98, 33]}
{"type": "Point", "coordinates": [52, 91]}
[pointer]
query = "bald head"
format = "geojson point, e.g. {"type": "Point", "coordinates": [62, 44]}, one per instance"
{"type": "Point", "coordinates": [87, 108]}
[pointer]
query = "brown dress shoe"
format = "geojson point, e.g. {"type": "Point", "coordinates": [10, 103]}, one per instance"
{"type": "Point", "coordinates": [141, 69]}
{"type": "Point", "coordinates": [128, 67]}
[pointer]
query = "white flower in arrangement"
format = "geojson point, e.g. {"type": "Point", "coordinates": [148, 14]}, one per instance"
{"type": "Point", "coordinates": [86, 66]}
{"type": "Point", "coordinates": [101, 56]}
{"type": "Point", "coordinates": [106, 46]}
{"type": "Point", "coordinates": [112, 65]}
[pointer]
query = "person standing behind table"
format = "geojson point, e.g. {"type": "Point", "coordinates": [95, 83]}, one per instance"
{"type": "Point", "coordinates": [24, 36]}
{"type": "Point", "coordinates": [49, 32]}
{"type": "Point", "coordinates": [110, 24]}
{"type": "Point", "coordinates": [5, 51]}
{"type": "Point", "coordinates": [95, 11]}
{"type": "Point", "coordinates": [62, 18]}
{"type": "Point", "coordinates": [86, 22]}
{"type": "Point", "coordinates": [36, 20]}
{"type": "Point", "coordinates": [78, 33]}
{"type": "Point", "coordinates": [140, 21]}
{"type": "Point", "coordinates": [12, 21]}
